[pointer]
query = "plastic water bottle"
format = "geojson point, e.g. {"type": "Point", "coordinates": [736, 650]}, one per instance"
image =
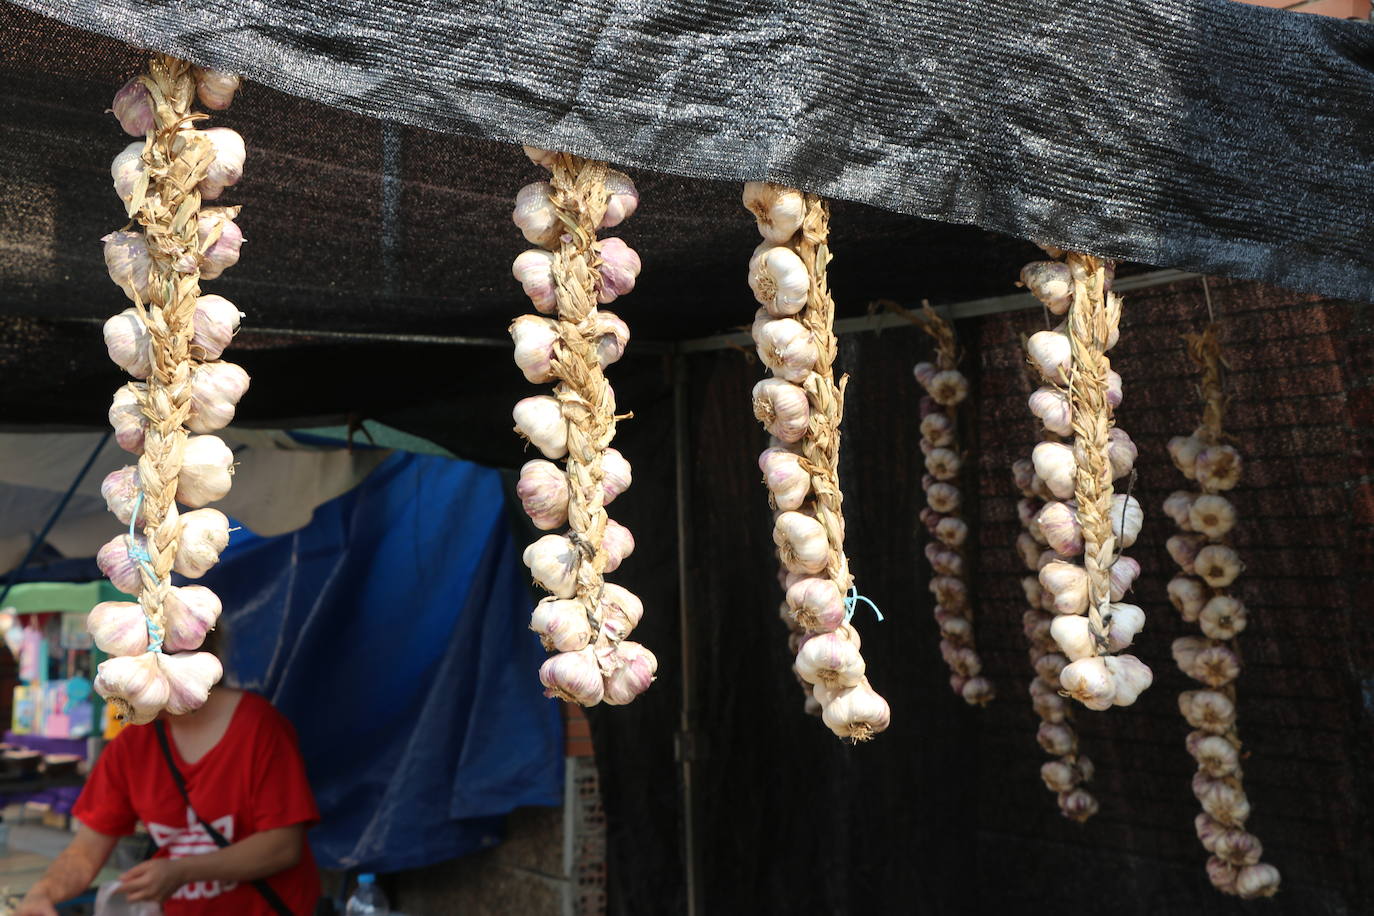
{"type": "Point", "coordinates": [367, 899]}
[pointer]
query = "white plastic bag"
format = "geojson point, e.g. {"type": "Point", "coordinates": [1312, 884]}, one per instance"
{"type": "Point", "coordinates": [110, 902]}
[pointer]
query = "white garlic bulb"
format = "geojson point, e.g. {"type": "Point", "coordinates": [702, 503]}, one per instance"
{"type": "Point", "coordinates": [216, 388]}
{"type": "Point", "coordinates": [1051, 282]}
{"type": "Point", "coordinates": [120, 490]}
{"type": "Point", "coordinates": [787, 482]}
{"type": "Point", "coordinates": [1121, 452]}
{"type": "Point", "coordinates": [1187, 595]}
{"type": "Point", "coordinates": [543, 492]}
{"type": "Point", "coordinates": [779, 280]}
{"type": "Point", "coordinates": [534, 271]}
{"type": "Point", "coordinates": [802, 543]}
{"type": "Point", "coordinates": [1215, 666]}
{"type": "Point", "coordinates": [1218, 565]}
{"type": "Point", "coordinates": [1068, 584]}
{"type": "Point", "coordinates": [1178, 506]}
{"type": "Point", "coordinates": [938, 429]}
{"type": "Point", "coordinates": [574, 677]}
{"type": "Point", "coordinates": [553, 561]}
{"type": "Point", "coordinates": [127, 419]}
{"type": "Point", "coordinates": [215, 88]}
{"type": "Point", "coordinates": [618, 544]}
{"type": "Point", "coordinates": [190, 612]}
{"type": "Point", "coordinates": [215, 323]}
{"type": "Point", "coordinates": [1078, 805]}
{"type": "Point", "coordinates": [1055, 739]}
{"type": "Point", "coordinates": [1216, 756]}
{"type": "Point", "coordinates": [1089, 681]}
{"type": "Point", "coordinates": [1212, 515]}
{"type": "Point", "coordinates": [133, 108]}
{"type": "Point", "coordinates": [1218, 467]}
{"type": "Point", "coordinates": [1222, 617]}
{"type": "Point", "coordinates": [613, 336]}
{"type": "Point", "coordinates": [120, 568]}
{"type": "Point", "coordinates": [1223, 800]}
{"type": "Point", "coordinates": [134, 686]}
{"type": "Point", "coordinates": [832, 659]}
{"type": "Point", "coordinates": [1054, 410]}
{"type": "Point", "coordinates": [785, 346]}
{"type": "Point", "coordinates": [1184, 451]}
{"type": "Point", "coordinates": [622, 199]}
{"type": "Point", "coordinates": [126, 170]}
{"type": "Point", "coordinates": [118, 628]}
{"type": "Point", "coordinates": [536, 215]}
{"type": "Point", "coordinates": [1185, 650]}
{"type": "Point", "coordinates": [1058, 776]}
{"type": "Point", "coordinates": [1130, 678]}
{"type": "Point", "coordinates": [1209, 710]}
{"type": "Point", "coordinates": [1126, 623]}
{"type": "Point", "coordinates": [1073, 636]}
{"type": "Point", "coordinates": [227, 167]}
{"type": "Point", "coordinates": [207, 471]}
{"type": "Point", "coordinates": [782, 408]}
{"type": "Point", "coordinates": [219, 239]}
{"type": "Point", "coordinates": [562, 624]}
{"type": "Point", "coordinates": [1059, 523]}
{"type": "Point", "coordinates": [948, 387]}
{"type": "Point", "coordinates": [621, 611]}
{"type": "Point", "coordinates": [128, 262]}
{"type": "Point", "coordinates": [1114, 393]}
{"type": "Point", "coordinates": [1124, 572]}
{"type": "Point", "coordinates": [857, 713]}
{"type": "Point", "coordinates": [1127, 519]}
{"type": "Point", "coordinates": [943, 463]}
{"type": "Point", "coordinates": [943, 497]}
{"type": "Point", "coordinates": [816, 604]}
{"type": "Point", "coordinates": [630, 670]}
{"type": "Point", "coordinates": [777, 209]}
{"type": "Point", "coordinates": [952, 532]}
{"type": "Point", "coordinates": [202, 537]}
{"type": "Point", "coordinates": [535, 339]}
{"type": "Point", "coordinates": [1054, 463]}
{"type": "Point", "coordinates": [1259, 880]}
{"type": "Point", "coordinates": [1183, 550]}
{"type": "Point", "coordinates": [540, 420]}
{"type": "Point", "coordinates": [1052, 354]}
{"type": "Point", "coordinates": [619, 268]}
{"type": "Point", "coordinates": [190, 675]}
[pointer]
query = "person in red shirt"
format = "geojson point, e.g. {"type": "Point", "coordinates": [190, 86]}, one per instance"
{"type": "Point", "coordinates": [244, 774]}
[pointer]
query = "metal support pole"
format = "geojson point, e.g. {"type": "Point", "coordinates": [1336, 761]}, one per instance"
{"type": "Point", "coordinates": [686, 724]}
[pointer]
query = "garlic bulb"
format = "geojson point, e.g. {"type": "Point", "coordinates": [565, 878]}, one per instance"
{"type": "Point", "coordinates": [1073, 636]}
{"type": "Point", "coordinates": [1054, 463]}
{"type": "Point", "coordinates": [631, 671]}
{"type": "Point", "coordinates": [1114, 391]}
{"type": "Point", "coordinates": [227, 167]}
{"type": "Point", "coordinates": [785, 346]}
{"type": "Point", "coordinates": [938, 429]}
{"type": "Point", "coordinates": [857, 713]}
{"type": "Point", "coordinates": [1126, 623]}
{"type": "Point", "coordinates": [127, 419]}
{"type": "Point", "coordinates": [1224, 801]}
{"type": "Point", "coordinates": [189, 675]}
{"type": "Point", "coordinates": [1051, 282]}
{"type": "Point", "coordinates": [943, 497]}
{"type": "Point", "coordinates": [620, 266]}
{"type": "Point", "coordinates": [134, 686]}
{"type": "Point", "coordinates": [118, 628]}
{"type": "Point", "coordinates": [1068, 584]}
{"type": "Point", "coordinates": [215, 88]}
{"type": "Point", "coordinates": [1217, 757]}
{"type": "Point", "coordinates": [1178, 506]}
{"type": "Point", "coordinates": [1121, 452]}
{"type": "Point", "coordinates": [133, 108]}
{"type": "Point", "coordinates": [1058, 776]}
{"type": "Point", "coordinates": [1127, 519]}
{"type": "Point", "coordinates": [1123, 573]}
{"type": "Point", "coordinates": [952, 532]}
{"type": "Point", "coordinates": [948, 387]}
{"type": "Point", "coordinates": [120, 568]}
{"type": "Point", "coordinates": [1056, 739]}
{"type": "Point", "coordinates": [541, 157]}
{"type": "Point", "coordinates": [120, 491]}
{"type": "Point", "coordinates": [127, 341]}
{"type": "Point", "coordinates": [1183, 550]}
{"type": "Point", "coordinates": [535, 341]}
{"type": "Point", "coordinates": [1208, 710]}
{"type": "Point", "coordinates": [1212, 516]}
{"type": "Point", "coordinates": [1050, 666]}
{"type": "Point", "coordinates": [802, 543]}
{"type": "Point", "coordinates": [128, 262]}
{"type": "Point", "coordinates": [203, 536]}
{"type": "Point", "coordinates": [574, 677]}
{"type": "Point", "coordinates": [222, 253]}
{"type": "Point", "coordinates": [543, 492]}
{"type": "Point", "coordinates": [943, 464]}
{"type": "Point", "coordinates": [534, 270]}
{"type": "Point", "coordinates": [621, 203]}
{"type": "Point", "coordinates": [1049, 706]}
{"type": "Point", "coordinates": [978, 691]}
{"type": "Point", "coordinates": [1222, 875]}
{"type": "Point", "coordinates": [1223, 617]}
{"type": "Point", "coordinates": [562, 624]}
{"type": "Point", "coordinates": [779, 280]}
{"type": "Point", "coordinates": [207, 471]}
{"type": "Point", "coordinates": [1052, 407]}
{"type": "Point", "coordinates": [1078, 805]}
{"type": "Point", "coordinates": [777, 209]}
{"type": "Point", "coordinates": [1218, 467]}
{"type": "Point", "coordinates": [615, 475]}
{"type": "Point", "coordinates": [216, 388]}
{"type": "Point", "coordinates": [1051, 352]}
{"type": "Point", "coordinates": [621, 611]}
{"type": "Point", "coordinates": [1207, 830]}
{"type": "Point", "coordinates": [1089, 681]}
{"type": "Point", "coordinates": [1259, 880]}
{"type": "Point", "coordinates": [787, 482]}
{"type": "Point", "coordinates": [1188, 596]}
{"type": "Point", "coordinates": [216, 321]}
{"type": "Point", "coordinates": [1184, 451]}
{"type": "Point", "coordinates": [613, 336]}
{"type": "Point", "coordinates": [1059, 523]}
{"type": "Point", "coordinates": [831, 659]}
{"type": "Point", "coordinates": [552, 561]}
{"type": "Point", "coordinates": [1218, 565]}
{"type": "Point", "coordinates": [190, 612]}
{"type": "Point", "coordinates": [618, 544]}
{"type": "Point", "coordinates": [540, 420]}
{"type": "Point", "coordinates": [782, 408]}
{"type": "Point", "coordinates": [1215, 666]}
{"type": "Point", "coordinates": [1130, 678]}
{"type": "Point", "coordinates": [126, 170]}
{"type": "Point", "coordinates": [1185, 650]}
{"type": "Point", "coordinates": [536, 216]}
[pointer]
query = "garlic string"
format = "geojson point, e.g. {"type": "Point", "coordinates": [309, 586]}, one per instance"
{"type": "Point", "coordinates": [1203, 595]}
{"type": "Point", "coordinates": [802, 406]}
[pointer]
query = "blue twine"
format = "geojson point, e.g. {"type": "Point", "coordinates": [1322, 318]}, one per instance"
{"type": "Point", "coordinates": [852, 600]}
{"type": "Point", "coordinates": [140, 553]}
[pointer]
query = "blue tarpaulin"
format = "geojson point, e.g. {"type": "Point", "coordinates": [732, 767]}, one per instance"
{"type": "Point", "coordinates": [391, 631]}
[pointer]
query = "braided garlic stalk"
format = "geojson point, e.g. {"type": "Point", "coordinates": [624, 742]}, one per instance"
{"type": "Point", "coordinates": [1066, 774]}
{"type": "Point", "coordinates": [1085, 517]}
{"type": "Point", "coordinates": [801, 406]}
{"type": "Point", "coordinates": [586, 619]}
{"type": "Point", "coordinates": [946, 388]}
{"type": "Point", "coordinates": [170, 340]}
{"type": "Point", "coordinates": [1202, 595]}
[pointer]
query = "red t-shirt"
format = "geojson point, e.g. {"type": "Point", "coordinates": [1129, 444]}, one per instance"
{"type": "Point", "coordinates": [252, 780]}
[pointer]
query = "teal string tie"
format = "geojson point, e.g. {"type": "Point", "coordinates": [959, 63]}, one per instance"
{"type": "Point", "coordinates": [851, 601]}
{"type": "Point", "coordinates": [140, 553]}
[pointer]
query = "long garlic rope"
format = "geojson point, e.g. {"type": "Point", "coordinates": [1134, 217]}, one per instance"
{"type": "Point", "coordinates": [587, 619]}
{"type": "Point", "coordinates": [1070, 770]}
{"type": "Point", "coordinates": [802, 406]}
{"type": "Point", "coordinates": [946, 388]}
{"type": "Point", "coordinates": [167, 340]}
{"type": "Point", "coordinates": [1086, 517]}
{"type": "Point", "coordinates": [1202, 594]}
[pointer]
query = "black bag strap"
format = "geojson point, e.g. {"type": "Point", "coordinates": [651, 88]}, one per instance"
{"type": "Point", "coordinates": [262, 887]}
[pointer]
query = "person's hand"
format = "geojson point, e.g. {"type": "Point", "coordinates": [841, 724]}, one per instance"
{"type": "Point", "coordinates": [36, 903]}
{"type": "Point", "coordinates": [155, 879]}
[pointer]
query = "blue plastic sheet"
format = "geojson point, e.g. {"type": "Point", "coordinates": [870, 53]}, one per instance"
{"type": "Point", "coordinates": [392, 632]}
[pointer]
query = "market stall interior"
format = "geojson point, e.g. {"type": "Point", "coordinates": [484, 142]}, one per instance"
{"type": "Point", "coordinates": [375, 278]}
